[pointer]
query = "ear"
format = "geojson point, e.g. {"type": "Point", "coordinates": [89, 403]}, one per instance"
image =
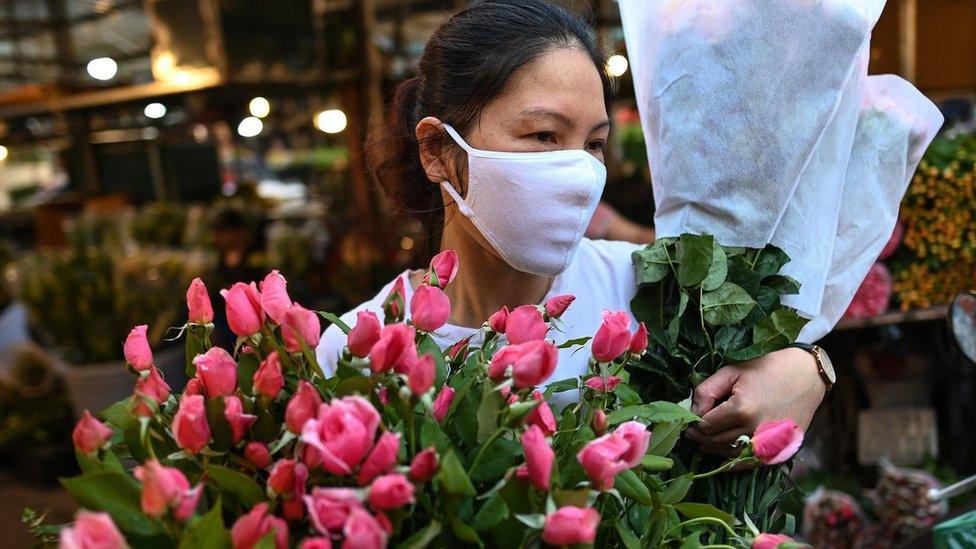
{"type": "Point", "coordinates": [431, 137]}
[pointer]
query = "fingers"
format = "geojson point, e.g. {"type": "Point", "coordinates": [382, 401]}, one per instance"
{"type": "Point", "coordinates": [714, 389]}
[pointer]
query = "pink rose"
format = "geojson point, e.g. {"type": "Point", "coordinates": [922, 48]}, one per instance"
{"type": "Point", "coordinates": [556, 306]}
{"type": "Point", "coordinates": [268, 380]}
{"type": "Point", "coordinates": [524, 324]}
{"type": "Point", "coordinates": [443, 269]}
{"type": "Point", "coordinates": [274, 296]}
{"type": "Point", "coordinates": [198, 303]}
{"type": "Point", "coordinates": [163, 488]}
{"type": "Point", "coordinates": [217, 372]}
{"type": "Point", "coordinates": [395, 303]}
{"type": "Point", "coordinates": [193, 387]}
{"type": "Point", "coordinates": [538, 457]}
{"type": "Point", "coordinates": [239, 421]}
{"type": "Point", "coordinates": [258, 454]}
{"type": "Point", "coordinates": [343, 433]}
{"type": "Point", "coordinates": [363, 531]}
{"type": "Point", "coordinates": [383, 394]}
{"type": "Point", "coordinates": [188, 504]}
{"type": "Point", "coordinates": [498, 320]}
{"type": "Point", "coordinates": [190, 428]}
{"type": "Point", "coordinates": [390, 492]}
{"type": "Point", "coordinates": [303, 406]}
{"type": "Point", "coordinates": [90, 435]}
{"type": "Point", "coordinates": [288, 478]}
{"type": "Point", "coordinates": [300, 326]}
{"type": "Point", "coordinates": [542, 416]}
{"type": "Point", "coordinates": [151, 388]}
{"type": "Point", "coordinates": [571, 525]}
{"type": "Point", "coordinates": [459, 350]}
{"type": "Point", "coordinates": [770, 541]}
{"type": "Point", "coordinates": [600, 423]}
{"type": "Point", "coordinates": [893, 242]}
{"type": "Point", "coordinates": [92, 531]}
{"type": "Point", "coordinates": [429, 308]}
{"type": "Point", "coordinates": [613, 336]}
{"type": "Point", "coordinates": [254, 526]}
{"type": "Point", "coordinates": [776, 441]}
{"type": "Point", "coordinates": [613, 453]}
{"type": "Point", "coordinates": [381, 459]}
{"type": "Point", "coordinates": [597, 383]}
{"type": "Point", "coordinates": [136, 349]}
{"type": "Point", "coordinates": [316, 543]}
{"type": "Point", "coordinates": [245, 315]}
{"type": "Point", "coordinates": [395, 350]}
{"type": "Point", "coordinates": [421, 375]}
{"type": "Point", "coordinates": [638, 342]}
{"type": "Point", "coordinates": [364, 334]}
{"type": "Point", "coordinates": [330, 507]}
{"type": "Point", "coordinates": [532, 363]}
{"type": "Point", "coordinates": [424, 465]}
{"type": "Point", "coordinates": [442, 402]}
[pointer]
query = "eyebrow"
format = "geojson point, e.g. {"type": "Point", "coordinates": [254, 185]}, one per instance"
{"type": "Point", "coordinates": [562, 118]}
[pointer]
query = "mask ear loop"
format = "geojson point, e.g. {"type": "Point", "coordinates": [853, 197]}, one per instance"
{"type": "Point", "coordinates": [463, 207]}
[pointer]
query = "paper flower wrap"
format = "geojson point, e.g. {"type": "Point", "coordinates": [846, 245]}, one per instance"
{"type": "Point", "coordinates": [758, 116]}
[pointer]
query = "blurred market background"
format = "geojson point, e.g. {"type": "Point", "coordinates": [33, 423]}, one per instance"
{"type": "Point", "coordinates": [145, 142]}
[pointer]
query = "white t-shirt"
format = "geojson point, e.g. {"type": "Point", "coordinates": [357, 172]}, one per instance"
{"type": "Point", "coordinates": [601, 277]}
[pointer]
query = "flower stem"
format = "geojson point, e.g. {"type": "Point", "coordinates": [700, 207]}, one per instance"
{"type": "Point", "coordinates": [721, 523]}
{"type": "Point", "coordinates": [481, 452]}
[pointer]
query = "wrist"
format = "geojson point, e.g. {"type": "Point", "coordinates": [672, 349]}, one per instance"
{"type": "Point", "coordinates": [821, 363]}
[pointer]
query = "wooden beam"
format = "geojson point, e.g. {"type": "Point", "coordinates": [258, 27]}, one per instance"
{"type": "Point", "coordinates": [908, 43]}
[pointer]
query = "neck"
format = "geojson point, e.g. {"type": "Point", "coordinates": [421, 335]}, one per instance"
{"type": "Point", "coordinates": [485, 283]}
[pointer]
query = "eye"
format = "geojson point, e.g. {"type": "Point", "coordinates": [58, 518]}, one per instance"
{"type": "Point", "coordinates": [596, 146]}
{"type": "Point", "coordinates": [545, 137]}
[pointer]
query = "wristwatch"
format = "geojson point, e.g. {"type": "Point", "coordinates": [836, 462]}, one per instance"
{"type": "Point", "coordinates": [824, 365]}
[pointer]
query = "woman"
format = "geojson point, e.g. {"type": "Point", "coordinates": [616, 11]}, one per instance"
{"type": "Point", "coordinates": [499, 144]}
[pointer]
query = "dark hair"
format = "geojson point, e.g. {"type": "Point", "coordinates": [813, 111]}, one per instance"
{"type": "Point", "coordinates": [467, 63]}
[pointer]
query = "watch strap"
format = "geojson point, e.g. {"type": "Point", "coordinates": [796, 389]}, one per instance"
{"type": "Point", "coordinates": [816, 352]}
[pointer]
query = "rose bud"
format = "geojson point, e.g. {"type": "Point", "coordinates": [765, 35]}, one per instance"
{"type": "Point", "coordinates": [638, 342]}
{"type": "Point", "coordinates": [254, 526]}
{"type": "Point", "coordinates": [91, 531]}
{"type": "Point", "coordinates": [390, 492]}
{"type": "Point", "coordinates": [274, 296]}
{"type": "Point", "coordinates": [245, 315]}
{"type": "Point", "coordinates": [538, 457]}
{"type": "Point", "coordinates": [381, 459]}
{"type": "Point", "coordinates": [238, 420]}
{"type": "Point", "coordinates": [328, 508]}
{"type": "Point", "coordinates": [193, 387]}
{"type": "Point", "coordinates": [198, 303]}
{"type": "Point", "coordinates": [301, 326]}
{"type": "Point", "coordinates": [776, 441]}
{"type": "Point", "coordinates": [342, 433]}
{"type": "Point", "coordinates": [258, 454]}
{"type": "Point", "coordinates": [288, 478]}
{"type": "Point", "coordinates": [524, 324]}
{"type": "Point", "coordinates": [613, 336]}
{"type": "Point", "coordinates": [268, 380]}
{"type": "Point", "coordinates": [424, 465]}
{"type": "Point", "coordinates": [363, 531]}
{"type": "Point", "coordinates": [600, 423]}
{"type": "Point", "coordinates": [384, 522]}
{"type": "Point", "coordinates": [364, 334]}
{"type": "Point", "coordinates": [541, 416]}
{"type": "Point", "coordinates": [600, 385]}
{"type": "Point", "coordinates": [772, 541]}
{"type": "Point", "coordinates": [498, 320]}
{"type": "Point", "coordinates": [443, 269]}
{"type": "Point", "coordinates": [136, 348]}
{"type": "Point", "coordinates": [421, 376]}
{"type": "Point", "coordinates": [217, 372]}
{"type": "Point", "coordinates": [613, 453]}
{"type": "Point", "coordinates": [459, 351]}
{"type": "Point", "coordinates": [303, 406]}
{"type": "Point", "coordinates": [293, 509]}
{"type": "Point", "coordinates": [90, 435]}
{"type": "Point", "coordinates": [638, 437]}
{"type": "Point", "coordinates": [556, 306]}
{"type": "Point", "coordinates": [151, 388]}
{"type": "Point", "coordinates": [316, 543]}
{"type": "Point", "coordinates": [429, 308]}
{"type": "Point", "coordinates": [532, 363]}
{"type": "Point", "coordinates": [571, 526]}
{"type": "Point", "coordinates": [395, 350]}
{"type": "Point", "coordinates": [442, 402]}
{"type": "Point", "coordinates": [190, 428]}
{"type": "Point", "coordinates": [383, 394]}
{"type": "Point", "coordinates": [163, 488]}
{"type": "Point", "coordinates": [395, 304]}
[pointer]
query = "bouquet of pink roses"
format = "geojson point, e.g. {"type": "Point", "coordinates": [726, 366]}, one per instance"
{"type": "Point", "coordinates": [404, 445]}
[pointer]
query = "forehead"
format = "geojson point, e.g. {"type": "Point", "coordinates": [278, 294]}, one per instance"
{"type": "Point", "coordinates": [565, 80]}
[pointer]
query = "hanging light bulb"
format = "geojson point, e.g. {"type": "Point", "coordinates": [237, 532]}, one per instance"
{"type": "Point", "coordinates": [331, 121]}
{"type": "Point", "coordinates": [155, 110]}
{"type": "Point", "coordinates": [102, 68]}
{"type": "Point", "coordinates": [250, 127]}
{"type": "Point", "coordinates": [617, 65]}
{"type": "Point", "coordinates": [259, 107]}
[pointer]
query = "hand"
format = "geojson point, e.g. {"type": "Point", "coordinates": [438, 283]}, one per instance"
{"type": "Point", "coordinates": [737, 398]}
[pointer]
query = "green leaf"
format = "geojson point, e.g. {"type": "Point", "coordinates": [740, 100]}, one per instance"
{"type": "Point", "coordinates": [698, 510]}
{"type": "Point", "coordinates": [220, 429]}
{"type": "Point", "coordinates": [784, 323]}
{"type": "Point", "coordinates": [207, 532]}
{"type": "Point", "coordinates": [120, 414]}
{"type": "Point", "coordinates": [431, 434]}
{"type": "Point", "coordinates": [335, 320]}
{"type": "Point", "coordinates": [629, 539]}
{"type": "Point", "coordinates": [535, 521]}
{"type": "Point", "coordinates": [664, 437]}
{"type": "Point", "coordinates": [654, 464]}
{"type": "Point", "coordinates": [677, 489]}
{"type": "Point", "coordinates": [267, 541]}
{"type": "Point", "coordinates": [498, 458]}
{"type": "Point", "coordinates": [661, 411]}
{"type": "Point", "coordinates": [247, 364]}
{"type": "Point", "coordinates": [493, 512]}
{"type": "Point", "coordinates": [488, 412]}
{"type": "Point", "coordinates": [726, 305]}
{"type": "Point", "coordinates": [519, 409]}
{"type": "Point", "coordinates": [465, 532]}
{"type": "Point", "coordinates": [578, 342]}
{"type": "Point", "coordinates": [694, 258]}
{"type": "Point", "coordinates": [362, 385]}
{"type": "Point", "coordinates": [782, 284]}
{"type": "Point", "coordinates": [718, 271]}
{"type": "Point", "coordinates": [243, 487]}
{"type": "Point", "coordinates": [422, 537]}
{"type": "Point", "coordinates": [561, 386]}
{"type": "Point", "coordinates": [629, 485]}
{"type": "Point", "coordinates": [118, 495]}
{"type": "Point", "coordinates": [651, 264]}
{"type": "Point", "coordinates": [453, 478]}
{"type": "Point", "coordinates": [626, 395]}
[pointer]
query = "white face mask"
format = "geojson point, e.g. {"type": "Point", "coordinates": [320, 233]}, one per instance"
{"type": "Point", "coordinates": [532, 207]}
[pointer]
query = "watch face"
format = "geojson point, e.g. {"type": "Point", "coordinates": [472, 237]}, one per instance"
{"type": "Point", "coordinates": [828, 367]}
